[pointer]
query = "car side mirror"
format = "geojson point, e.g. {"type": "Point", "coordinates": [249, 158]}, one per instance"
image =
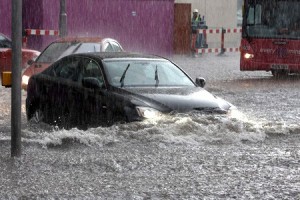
{"type": "Point", "coordinates": [92, 83]}
{"type": "Point", "coordinates": [200, 82]}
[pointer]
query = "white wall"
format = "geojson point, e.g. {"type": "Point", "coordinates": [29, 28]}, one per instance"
{"type": "Point", "coordinates": [218, 14]}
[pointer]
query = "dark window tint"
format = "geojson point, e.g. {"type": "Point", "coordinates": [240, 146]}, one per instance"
{"type": "Point", "coordinates": [67, 68]}
{"type": "Point", "coordinates": [91, 69]}
{"type": "Point", "coordinates": [272, 19]}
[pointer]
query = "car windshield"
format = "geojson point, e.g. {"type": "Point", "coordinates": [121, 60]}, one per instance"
{"type": "Point", "coordinates": [58, 50]}
{"type": "Point", "coordinates": [279, 19]}
{"type": "Point", "coordinates": [54, 51]}
{"type": "Point", "coordinates": [81, 48]}
{"type": "Point", "coordinates": [145, 72]}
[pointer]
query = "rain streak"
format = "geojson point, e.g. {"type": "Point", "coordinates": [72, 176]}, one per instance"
{"type": "Point", "coordinates": [213, 152]}
{"type": "Point", "coordinates": [252, 154]}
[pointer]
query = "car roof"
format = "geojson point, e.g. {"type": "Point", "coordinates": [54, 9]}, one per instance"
{"type": "Point", "coordinates": [82, 39]}
{"type": "Point", "coordinates": [117, 55]}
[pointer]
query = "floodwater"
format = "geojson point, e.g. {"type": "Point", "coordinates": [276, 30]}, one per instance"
{"type": "Point", "coordinates": [253, 155]}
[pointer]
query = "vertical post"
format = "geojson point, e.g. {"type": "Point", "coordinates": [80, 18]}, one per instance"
{"type": "Point", "coordinates": [204, 40]}
{"type": "Point", "coordinates": [24, 41]}
{"type": "Point", "coordinates": [223, 41]}
{"type": "Point", "coordinates": [63, 19]}
{"type": "Point", "coordinates": [16, 78]}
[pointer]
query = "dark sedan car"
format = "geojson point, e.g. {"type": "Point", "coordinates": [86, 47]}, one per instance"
{"type": "Point", "coordinates": [101, 88]}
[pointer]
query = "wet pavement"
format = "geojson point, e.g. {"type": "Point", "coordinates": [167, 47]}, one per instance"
{"type": "Point", "coordinates": [252, 156]}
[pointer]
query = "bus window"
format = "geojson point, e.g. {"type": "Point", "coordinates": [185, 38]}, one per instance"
{"type": "Point", "coordinates": [254, 15]}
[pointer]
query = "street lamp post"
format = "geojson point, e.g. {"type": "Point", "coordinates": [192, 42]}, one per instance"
{"type": "Point", "coordinates": [63, 19]}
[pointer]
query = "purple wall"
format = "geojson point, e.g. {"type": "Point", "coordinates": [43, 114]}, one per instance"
{"type": "Point", "coordinates": [5, 17]}
{"type": "Point", "coordinates": [40, 14]}
{"type": "Point", "coordinates": [139, 25]}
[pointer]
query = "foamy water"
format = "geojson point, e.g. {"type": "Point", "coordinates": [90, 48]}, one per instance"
{"type": "Point", "coordinates": [192, 129]}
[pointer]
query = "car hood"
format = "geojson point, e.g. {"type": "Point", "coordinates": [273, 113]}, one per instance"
{"type": "Point", "coordinates": [181, 99]}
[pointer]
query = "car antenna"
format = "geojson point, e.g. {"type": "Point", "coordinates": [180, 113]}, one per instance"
{"type": "Point", "coordinates": [123, 75]}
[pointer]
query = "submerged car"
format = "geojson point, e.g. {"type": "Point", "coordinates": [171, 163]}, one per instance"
{"type": "Point", "coordinates": [95, 89]}
{"type": "Point", "coordinates": [66, 46]}
{"type": "Point", "coordinates": [6, 54]}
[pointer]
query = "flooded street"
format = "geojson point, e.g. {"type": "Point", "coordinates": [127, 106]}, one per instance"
{"type": "Point", "coordinates": [253, 155]}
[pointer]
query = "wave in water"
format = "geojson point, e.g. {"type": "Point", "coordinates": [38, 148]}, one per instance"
{"type": "Point", "coordinates": [194, 129]}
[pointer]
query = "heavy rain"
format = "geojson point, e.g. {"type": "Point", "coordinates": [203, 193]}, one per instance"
{"type": "Point", "coordinates": [252, 154]}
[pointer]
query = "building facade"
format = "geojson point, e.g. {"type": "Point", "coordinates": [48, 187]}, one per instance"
{"type": "Point", "coordinates": [217, 13]}
{"type": "Point", "coordinates": [141, 26]}
{"type": "Point", "coordinates": [5, 17]}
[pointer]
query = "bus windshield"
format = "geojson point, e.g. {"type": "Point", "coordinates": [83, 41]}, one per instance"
{"type": "Point", "coordinates": [272, 19]}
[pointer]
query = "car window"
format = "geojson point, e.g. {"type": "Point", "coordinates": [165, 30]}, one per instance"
{"type": "Point", "coordinates": [116, 46]}
{"type": "Point", "coordinates": [67, 68]}
{"type": "Point", "coordinates": [81, 48]}
{"type": "Point", "coordinates": [88, 47]}
{"type": "Point", "coordinates": [145, 73]}
{"type": "Point", "coordinates": [55, 50]}
{"type": "Point", "coordinates": [108, 47]}
{"type": "Point", "coordinates": [4, 42]}
{"type": "Point", "coordinates": [91, 69]}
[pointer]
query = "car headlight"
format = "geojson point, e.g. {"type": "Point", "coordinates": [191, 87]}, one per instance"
{"type": "Point", "coordinates": [25, 80]}
{"type": "Point", "coordinates": [148, 113]}
{"type": "Point", "coordinates": [248, 55]}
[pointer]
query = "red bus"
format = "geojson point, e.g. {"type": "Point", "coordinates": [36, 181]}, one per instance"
{"type": "Point", "coordinates": [271, 36]}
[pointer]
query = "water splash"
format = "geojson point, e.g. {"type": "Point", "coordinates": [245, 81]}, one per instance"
{"type": "Point", "coordinates": [181, 129]}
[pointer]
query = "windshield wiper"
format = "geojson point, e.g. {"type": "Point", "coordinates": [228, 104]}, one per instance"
{"type": "Point", "coordinates": [123, 76]}
{"type": "Point", "coordinates": [156, 77]}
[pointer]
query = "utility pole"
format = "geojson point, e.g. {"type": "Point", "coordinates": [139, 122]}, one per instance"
{"type": "Point", "coordinates": [16, 78]}
{"type": "Point", "coordinates": [63, 19]}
